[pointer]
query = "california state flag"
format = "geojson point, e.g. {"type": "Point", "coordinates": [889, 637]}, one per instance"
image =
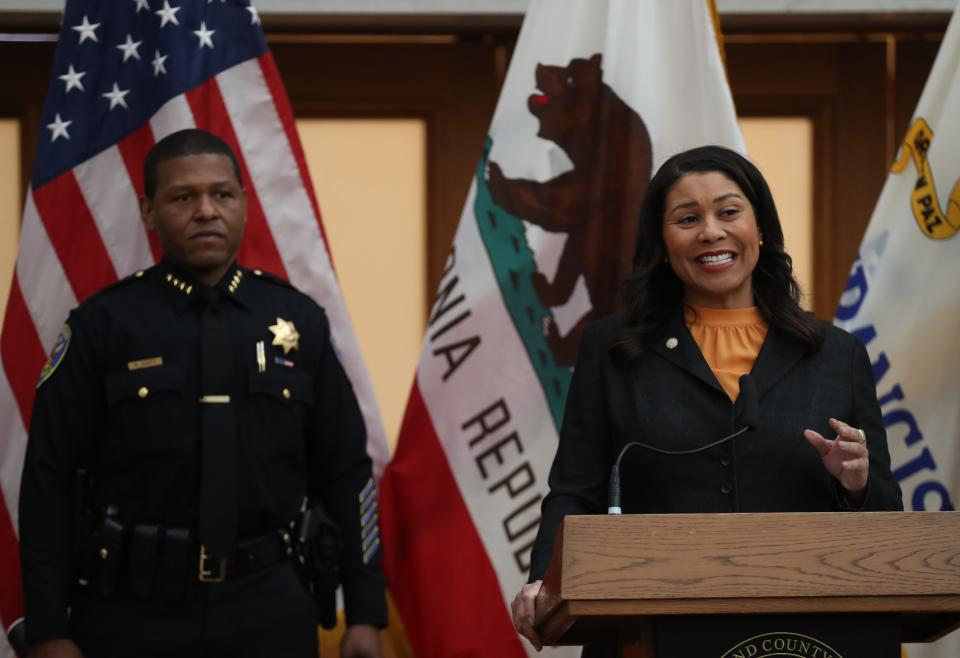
{"type": "Point", "coordinates": [902, 299]}
{"type": "Point", "coordinates": [597, 95]}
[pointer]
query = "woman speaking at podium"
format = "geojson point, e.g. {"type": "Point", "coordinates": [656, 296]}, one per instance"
{"type": "Point", "coordinates": [711, 298]}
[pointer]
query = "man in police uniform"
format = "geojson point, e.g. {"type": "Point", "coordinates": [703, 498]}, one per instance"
{"type": "Point", "coordinates": [204, 402]}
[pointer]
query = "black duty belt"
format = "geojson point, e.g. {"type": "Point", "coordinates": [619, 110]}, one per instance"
{"type": "Point", "coordinates": [249, 556]}
{"type": "Point", "coordinates": [167, 565]}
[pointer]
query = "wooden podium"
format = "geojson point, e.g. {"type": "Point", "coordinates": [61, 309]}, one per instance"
{"type": "Point", "coordinates": [615, 576]}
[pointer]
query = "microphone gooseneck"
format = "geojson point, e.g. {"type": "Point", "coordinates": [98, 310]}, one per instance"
{"type": "Point", "coordinates": [613, 497]}
{"type": "Point", "coordinates": [750, 414]}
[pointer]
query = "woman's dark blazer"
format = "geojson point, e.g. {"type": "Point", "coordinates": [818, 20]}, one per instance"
{"type": "Point", "coordinates": [669, 398]}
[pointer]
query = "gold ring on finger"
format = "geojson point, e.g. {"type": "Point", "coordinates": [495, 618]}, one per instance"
{"type": "Point", "coordinates": [863, 436]}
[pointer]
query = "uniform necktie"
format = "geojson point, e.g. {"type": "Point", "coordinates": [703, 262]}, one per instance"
{"type": "Point", "coordinates": [217, 527]}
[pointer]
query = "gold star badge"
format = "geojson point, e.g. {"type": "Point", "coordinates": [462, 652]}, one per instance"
{"type": "Point", "coordinates": [285, 335]}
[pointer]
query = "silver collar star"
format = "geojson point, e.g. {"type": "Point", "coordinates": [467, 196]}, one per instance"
{"type": "Point", "coordinates": [72, 78]}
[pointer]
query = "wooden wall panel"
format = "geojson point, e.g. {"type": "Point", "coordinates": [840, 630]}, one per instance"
{"type": "Point", "coordinates": [913, 63]}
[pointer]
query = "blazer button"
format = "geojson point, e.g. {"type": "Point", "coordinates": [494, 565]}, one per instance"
{"type": "Point", "coordinates": [725, 489]}
{"type": "Point", "coordinates": [725, 461]}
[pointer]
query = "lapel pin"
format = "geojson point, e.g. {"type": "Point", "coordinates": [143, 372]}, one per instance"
{"type": "Point", "coordinates": [672, 342]}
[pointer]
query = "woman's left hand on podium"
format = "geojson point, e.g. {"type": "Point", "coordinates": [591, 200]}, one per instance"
{"type": "Point", "coordinates": [523, 608]}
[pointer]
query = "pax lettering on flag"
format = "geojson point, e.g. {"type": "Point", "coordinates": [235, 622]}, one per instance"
{"type": "Point", "coordinates": [126, 74]}
{"type": "Point", "coordinates": [901, 300]}
{"type": "Point", "coordinates": [598, 93]}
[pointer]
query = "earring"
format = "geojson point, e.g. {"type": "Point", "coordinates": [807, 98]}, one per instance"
{"type": "Point", "coordinates": [761, 242]}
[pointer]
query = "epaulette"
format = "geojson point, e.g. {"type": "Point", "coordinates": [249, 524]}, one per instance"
{"type": "Point", "coordinates": [125, 281]}
{"type": "Point", "coordinates": [119, 283]}
{"type": "Point", "coordinates": [129, 278]}
{"type": "Point", "coordinates": [272, 278]}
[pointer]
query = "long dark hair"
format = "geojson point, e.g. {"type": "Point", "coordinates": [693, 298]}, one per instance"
{"type": "Point", "coordinates": [652, 292]}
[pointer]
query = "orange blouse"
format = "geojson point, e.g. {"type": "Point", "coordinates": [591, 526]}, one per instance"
{"type": "Point", "coordinates": [729, 340]}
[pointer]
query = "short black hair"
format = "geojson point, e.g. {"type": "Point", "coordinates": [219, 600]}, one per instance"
{"type": "Point", "coordinates": [191, 141]}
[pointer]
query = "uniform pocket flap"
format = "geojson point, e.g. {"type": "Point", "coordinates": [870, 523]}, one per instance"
{"type": "Point", "coordinates": [143, 384]}
{"type": "Point", "coordinates": [296, 386]}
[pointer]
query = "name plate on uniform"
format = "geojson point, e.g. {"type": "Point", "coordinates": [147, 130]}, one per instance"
{"type": "Point", "coordinates": [145, 363]}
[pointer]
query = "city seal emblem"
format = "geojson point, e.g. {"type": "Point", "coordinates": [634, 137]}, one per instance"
{"type": "Point", "coordinates": [775, 645]}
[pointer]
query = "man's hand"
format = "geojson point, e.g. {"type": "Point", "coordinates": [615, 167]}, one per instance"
{"type": "Point", "coordinates": [361, 641]}
{"type": "Point", "coordinates": [59, 648]}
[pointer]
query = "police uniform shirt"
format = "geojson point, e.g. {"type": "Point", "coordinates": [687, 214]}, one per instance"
{"type": "Point", "coordinates": [120, 397]}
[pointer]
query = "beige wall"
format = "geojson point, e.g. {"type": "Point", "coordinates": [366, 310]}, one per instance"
{"type": "Point", "coordinates": [11, 202]}
{"type": "Point", "coordinates": [782, 148]}
{"type": "Point", "coordinates": [370, 179]}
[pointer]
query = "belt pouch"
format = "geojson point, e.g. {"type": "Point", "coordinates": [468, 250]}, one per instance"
{"type": "Point", "coordinates": [179, 564]}
{"type": "Point", "coordinates": [109, 555]}
{"type": "Point", "coordinates": [143, 558]}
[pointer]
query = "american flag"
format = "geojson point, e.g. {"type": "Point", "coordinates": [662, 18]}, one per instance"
{"type": "Point", "coordinates": [126, 74]}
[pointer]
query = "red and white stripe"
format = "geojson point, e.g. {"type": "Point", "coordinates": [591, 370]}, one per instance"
{"type": "Point", "coordinates": [82, 231]}
{"type": "Point", "coordinates": [440, 574]}
{"type": "Point", "coordinates": [450, 566]}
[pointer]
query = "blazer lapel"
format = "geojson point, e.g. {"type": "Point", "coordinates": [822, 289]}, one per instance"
{"type": "Point", "coordinates": [778, 354]}
{"type": "Point", "coordinates": [677, 346]}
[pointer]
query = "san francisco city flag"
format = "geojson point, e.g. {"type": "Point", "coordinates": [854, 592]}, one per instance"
{"type": "Point", "coordinates": [598, 93]}
{"type": "Point", "coordinates": [902, 301]}
{"type": "Point", "coordinates": [126, 75]}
